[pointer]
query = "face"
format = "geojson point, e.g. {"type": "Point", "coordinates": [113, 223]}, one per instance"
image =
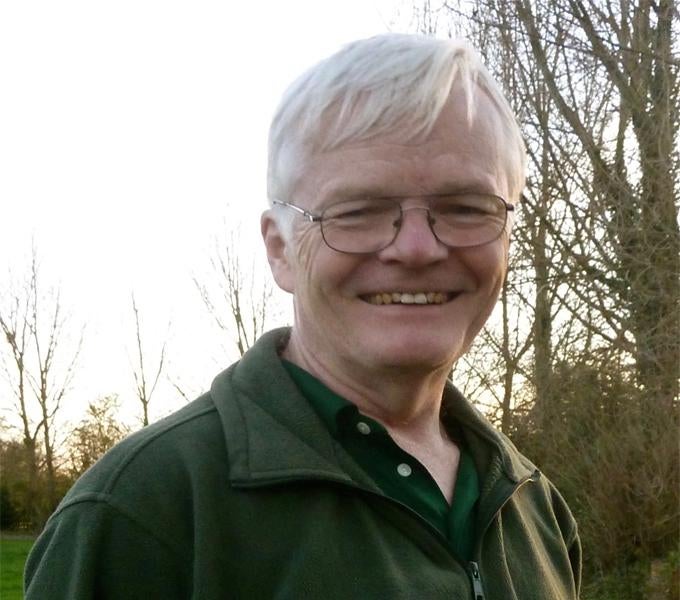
{"type": "Point", "coordinates": [338, 322]}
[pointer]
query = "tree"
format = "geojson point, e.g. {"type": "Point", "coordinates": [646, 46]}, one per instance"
{"type": "Point", "coordinates": [14, 321]}
{"type": "Point", "coordinates": [18, 487]}
{"type": "Point", "coordinates": [487, 373]}
{"type": "Point", "coordinates": [47, 331]}
{"type": "Point", "coordinates": [145, 385]}
{"type": "Point", "coordinates": [98, 431]}
{"type": "Point", "coordinates": [237, 303]}
{"type": "Point", "coordinates": [632, 175]}
{"type": "Point", "coordinates": [39, 362]}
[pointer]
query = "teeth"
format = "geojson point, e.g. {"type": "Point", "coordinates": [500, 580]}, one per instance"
{"type": "Point", "coordinates": [408, 298]}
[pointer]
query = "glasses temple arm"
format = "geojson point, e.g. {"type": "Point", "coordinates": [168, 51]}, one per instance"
{"type": "Point", "coordinates": [305, 213]}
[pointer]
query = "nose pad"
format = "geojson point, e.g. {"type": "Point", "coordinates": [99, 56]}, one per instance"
{"type": "Point", "coordinates": [429, 219]}
{"type": "Point", "coordinates": [412, 245]}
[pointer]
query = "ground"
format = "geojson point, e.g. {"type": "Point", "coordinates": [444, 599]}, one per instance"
{"type": "Point", "coordinates": [13, 551]}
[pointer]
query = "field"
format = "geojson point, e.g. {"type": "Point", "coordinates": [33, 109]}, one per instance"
{"type": "Point", "coordinates": [13, 552]}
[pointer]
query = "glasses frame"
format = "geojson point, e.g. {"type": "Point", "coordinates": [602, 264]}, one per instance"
{"type": "Point", "coordinates": [313, 218]}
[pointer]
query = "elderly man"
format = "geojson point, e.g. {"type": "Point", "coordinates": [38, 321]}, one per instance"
{"type": "Point", "coordinates": [335, 460]}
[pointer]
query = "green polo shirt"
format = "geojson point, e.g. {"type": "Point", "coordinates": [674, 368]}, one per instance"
{"type": "Point", "coordinates": [397, 473]}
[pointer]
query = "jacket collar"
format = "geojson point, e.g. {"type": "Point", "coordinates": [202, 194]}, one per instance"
{"type": "Point", "coordinates": [491, 449]}
{"type": "Point", "coordinates": [273, 434]}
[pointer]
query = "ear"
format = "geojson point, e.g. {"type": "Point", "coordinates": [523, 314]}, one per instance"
{"type": "Point", "coordinates": [277, 249]}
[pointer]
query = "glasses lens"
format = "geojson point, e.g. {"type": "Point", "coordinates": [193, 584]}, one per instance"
{"type": "Point", "coordinates": [368, 225]}
{"type": "Point", "coordinates": [467, 219]}
{"type": "Point", "coordinates": [363, 225]}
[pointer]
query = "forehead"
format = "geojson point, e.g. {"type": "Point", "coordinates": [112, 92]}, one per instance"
{"type": "Point", "coordinates": [462, 151]}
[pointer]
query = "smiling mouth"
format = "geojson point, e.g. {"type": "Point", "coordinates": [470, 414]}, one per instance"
{"type": "Point", "coordinates": [420, 298]}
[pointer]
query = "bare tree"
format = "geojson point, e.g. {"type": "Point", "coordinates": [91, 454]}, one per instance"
{"type": "Point", "coordinates": [40, 371]}
{"type": "Point", "coordinates": [629, 49]}
{"type": "Point", "coordinates": [14, 321]}
{"type": "Point", "coordinates": [145, 384]}
{"type": "Point", "coordinates": [487, 373]}
{"type": "Point", "coordinates": [238, 304]}
{"type": "Point", "coordinates": [47, 326]}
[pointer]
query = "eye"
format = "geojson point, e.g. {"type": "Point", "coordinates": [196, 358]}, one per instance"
{"type": "Point", "coordinates": [354, 213]}
{"type": "Point", "coordinates": [464, 209]}
{"type": "Point", "coordinates": [365, 208]}
{"type": "Point", "coordinates": [473, 205]}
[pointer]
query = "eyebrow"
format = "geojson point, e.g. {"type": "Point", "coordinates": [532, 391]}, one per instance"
{"type": "Point", "coordinates": [478, 186]}
{"type": "Point", "coordinates": [350, 191]}
{"type": "Point", "coordinates": [347, 191]}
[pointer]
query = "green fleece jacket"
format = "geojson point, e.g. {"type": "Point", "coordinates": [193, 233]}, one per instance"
{"type": "Point", "coordinates": [244, 494]}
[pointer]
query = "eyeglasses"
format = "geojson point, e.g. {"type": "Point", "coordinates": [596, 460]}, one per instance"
{"type": "Point", "coordinates": [367, 225]}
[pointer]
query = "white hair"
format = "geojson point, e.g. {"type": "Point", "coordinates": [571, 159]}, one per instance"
{"type": "Point", "coordinates": [374, 86]}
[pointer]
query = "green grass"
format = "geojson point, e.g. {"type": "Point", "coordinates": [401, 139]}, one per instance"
{"type": "Point", "coordinates": [13, 552]}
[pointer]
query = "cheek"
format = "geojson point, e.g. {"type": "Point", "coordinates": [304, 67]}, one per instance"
{"type": "Point", "coordinates": [306, 248]}
{"type": "Point", "coordinates": [488, 264]}
{"type": "Point", "coordinates": [322, 274]}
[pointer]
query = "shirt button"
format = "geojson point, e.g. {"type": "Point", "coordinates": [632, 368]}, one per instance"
{"type": "Point", "coordinates": [364, 428]}
{"type": "Point", "coordinates": [404, 470]}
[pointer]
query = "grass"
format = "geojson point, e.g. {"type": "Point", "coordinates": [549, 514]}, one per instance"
{"type": "Point", "coordinates": [13, 552]}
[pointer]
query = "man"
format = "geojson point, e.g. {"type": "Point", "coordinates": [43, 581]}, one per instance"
{"type": "Point", "coordinates": [335, 460]}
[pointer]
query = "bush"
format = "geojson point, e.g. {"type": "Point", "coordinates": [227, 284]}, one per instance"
{"type": "Point", "coordinates": [9, 516]}
{"type": "Point", "coordinates": [614, 458]}
{"type": "Point", "coordinates": [624, 583]}
{"type": "Point", "coordinates": [659, 580]}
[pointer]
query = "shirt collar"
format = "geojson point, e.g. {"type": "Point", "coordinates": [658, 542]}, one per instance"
{"type": "Point", "coordinates": [331, 408]}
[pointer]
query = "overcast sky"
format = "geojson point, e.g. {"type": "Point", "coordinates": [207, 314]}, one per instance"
{"type": "Point", "coordinates": [131, 134]}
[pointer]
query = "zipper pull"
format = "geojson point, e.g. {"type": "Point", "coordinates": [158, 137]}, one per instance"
{"type": "Point", "coordinates": [476, 581]}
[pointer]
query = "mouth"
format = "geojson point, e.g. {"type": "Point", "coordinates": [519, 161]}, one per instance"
{"type": "Point", "coordinates": [419, 298]}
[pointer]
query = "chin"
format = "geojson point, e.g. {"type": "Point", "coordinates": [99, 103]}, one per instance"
{"type": "Point", "coordinates": [414, 354]}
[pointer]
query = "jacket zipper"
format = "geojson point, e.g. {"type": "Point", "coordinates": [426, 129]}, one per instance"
{"type": "Point", "coordinates": [476, 581]}
{"type": "Point", "coordinates": [475, 574]}
{"type": "Point", "coordinates": [471, 567]}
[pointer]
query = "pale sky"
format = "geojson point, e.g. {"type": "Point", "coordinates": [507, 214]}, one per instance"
{"type": "Point", "coordinates": [132, 133]}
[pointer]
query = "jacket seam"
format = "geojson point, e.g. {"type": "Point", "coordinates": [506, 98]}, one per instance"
{"type": "Point", "coordinates": [104, 499]}
{"type": "Point", "coordinates": [238, 404]}
{"type": "Point", "coordinates": [573, 535]}
{"type": "Point", "coordinates": [133, 452]}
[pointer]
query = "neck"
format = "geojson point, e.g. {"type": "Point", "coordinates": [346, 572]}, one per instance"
{"type": "Point", "coordinates": [406, 401]}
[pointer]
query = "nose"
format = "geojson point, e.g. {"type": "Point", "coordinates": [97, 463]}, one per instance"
{"type": "Point", "coordinates": [415, 244]}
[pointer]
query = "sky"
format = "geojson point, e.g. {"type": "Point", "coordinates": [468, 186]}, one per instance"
{"type": "Point", "coordinates": [132, 136]}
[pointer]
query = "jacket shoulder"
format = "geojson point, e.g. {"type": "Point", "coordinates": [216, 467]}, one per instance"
{"type": "Point", "coordinates": [162, 455]}
{"type": "Point", "coordinates": [131, 507]}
